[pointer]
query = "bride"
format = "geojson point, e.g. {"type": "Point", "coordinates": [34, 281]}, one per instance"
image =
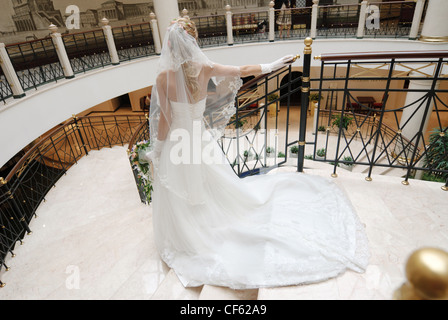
{"type": "Point", "coordinates": [212, 227]}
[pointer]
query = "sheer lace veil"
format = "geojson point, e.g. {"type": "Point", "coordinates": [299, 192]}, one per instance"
{"type": "Point", "coordinates": [183, 76]}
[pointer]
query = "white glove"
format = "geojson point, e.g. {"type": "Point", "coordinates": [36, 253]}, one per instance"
{"type": "Point", "coordinates": [278, 64]}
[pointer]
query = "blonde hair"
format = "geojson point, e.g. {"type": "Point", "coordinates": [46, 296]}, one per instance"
{"type": "Point", "coordinates": [191, 72]}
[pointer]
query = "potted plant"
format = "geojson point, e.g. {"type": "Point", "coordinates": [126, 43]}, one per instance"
{"type": "Point", "coordinates": [342, 122]}
{"type": "Point", "coordinates": [272, 107]}
{"type": "Point", "coordinates": [294, 151]}
{"type": "Point", "coordinates": [314, 99]}
{"type": "Point", "coordinates": [281, 155]}
{"type": "Point", "coordinates": [270, 152]}
{"type": "Point", "coordinates": [320, 153]}
{"type": "Point", "coordinates": [349, 163]}
{"type": "Point", "coordinates": [436, 156]}
{"type": "Point", "coordinates": [247, 155]}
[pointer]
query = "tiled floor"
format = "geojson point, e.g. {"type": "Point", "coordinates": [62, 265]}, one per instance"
{"type": "Point", "coordinates": [93, 239]}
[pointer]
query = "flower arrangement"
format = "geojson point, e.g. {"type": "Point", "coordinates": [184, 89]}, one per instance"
{"type": "Point", "coordinates": [142, 168]}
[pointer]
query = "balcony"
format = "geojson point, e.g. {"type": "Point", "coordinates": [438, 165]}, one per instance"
{"type": "Point", "coordinates": [396, 215]}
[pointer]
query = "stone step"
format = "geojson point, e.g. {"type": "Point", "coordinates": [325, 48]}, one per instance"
{"type": "Point", "coordinates": [222, 293]}
{"type": "Point", "coordinates": [172, 289]}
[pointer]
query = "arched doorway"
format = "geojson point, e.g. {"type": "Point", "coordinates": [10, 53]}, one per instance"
{"type": "Point", "coordinates": [296, 83]}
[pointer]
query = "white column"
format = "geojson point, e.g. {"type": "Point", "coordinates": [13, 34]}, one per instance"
{"type": "Point", "coordinates": [60, 50]}
{"type": "Point", "coordinates": [109, 36]}
{"type": "Point", "coordinates": [314, 14]}
{"type": "Point", "coordinates": [155, 33]}
{"type": "Point", "coordinates": [413, 124]}
{"type": "Point", "coordinates": [419, 5]}
{"type": "Point", "coordinates": [166, 11]}
{"type": "Point", "coordinates": [229, 25]}
{"type": "Point", "coordinates": [362, 20]}
{"type": "Point", "coordinates": [10, 73]}
{"type": "Point", "coordinates": [435, 27]}
{"type": "Point", "coordinates": [271, 21]}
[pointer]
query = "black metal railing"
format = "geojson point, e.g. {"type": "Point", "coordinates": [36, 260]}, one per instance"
{"type": "Point", "coordinates": [212, 30]}
{"type": "Point", "coordinates": [35, 62]}
{"type": "Point", "coordinates": [134, 41]}
{"type": "Point", "coordinates": [28, 182]}
{"type": "Point", "coordinates": [5, 88]}
{"type": "Point", "coordinates": [380, 110]}
{"type": "Point", "coordinates": [338, 21]}
{"type": "Point", "coordinates": [395, 20]}
{"type": "Point", "coordinates": [250, 26]}
{"type": "Point", "coordinates": [86, 50]}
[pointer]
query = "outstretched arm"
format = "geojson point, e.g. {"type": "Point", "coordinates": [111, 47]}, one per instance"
{"type": "Point", "coordinates": [251, 70]}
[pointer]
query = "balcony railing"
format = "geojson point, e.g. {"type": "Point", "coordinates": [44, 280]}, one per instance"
{"type": "Point", "coordinates": [45, 161]}
{"type": "Point", "coordinates": [42, 61]}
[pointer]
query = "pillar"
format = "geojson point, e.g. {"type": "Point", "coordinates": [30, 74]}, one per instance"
{"type": "Point", "coordinates": [435, 27]}
{"type": "Point", "coordinates": [229, 25]}
{"type": "Point", "coordinates": [413, 124]}
{"type": "Point", "coordinates": [362, 20]}
{"type": "Point", "coordinates": [10, 73]}
{"type": "Point", "coordinates": [155, 34]}
{"type": "Point", "coordinates": [109, 36]}
{"type": "Point", "coordinates": [314, 14]}
{"type": "Point", "coordinates": [416, 20]}
{"type": "Point", "coordinates": [166, 11]}
{"type": "Point", "coordinates": [60, 51]}
{"type": "Point", "coordinates": [271, 21]}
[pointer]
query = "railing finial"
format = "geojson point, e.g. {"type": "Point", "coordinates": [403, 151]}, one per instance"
{"type": "Point", "coordinates": [427, 276]}
{"type": "Point", "coordinates": [308, 42]}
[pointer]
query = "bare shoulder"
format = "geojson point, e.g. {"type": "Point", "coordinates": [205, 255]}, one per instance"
{"type": "Point", "coordinates": [162, 77]}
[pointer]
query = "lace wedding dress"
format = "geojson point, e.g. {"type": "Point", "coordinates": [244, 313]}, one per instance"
{"type": "Point", "coordinates": [213, 227]}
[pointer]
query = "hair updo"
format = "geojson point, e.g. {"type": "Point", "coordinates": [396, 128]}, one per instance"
{"type": "Point", "coordinates": [188, 25]}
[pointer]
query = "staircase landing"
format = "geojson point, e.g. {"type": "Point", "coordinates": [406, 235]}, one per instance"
{"type": "Point", "coordinates": [93, 239]}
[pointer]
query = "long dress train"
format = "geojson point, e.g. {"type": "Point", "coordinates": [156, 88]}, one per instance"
{"type": "Point", "coordinates": [215, 228]}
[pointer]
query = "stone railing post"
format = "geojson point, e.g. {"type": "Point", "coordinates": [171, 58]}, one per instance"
{"type": "Point", "coordinates": [271, 21]}
{"type": "Point", "coordinates": [109, 36]}
{"type": "Point", "coordinates": [60, 50]}
{"type": "Point", "coordinates": [155, 33]}
{"type": "Point", "coordinates": [314, 14]}
{"type": "Point", "coordinates": [10, 73]}
{"type": "Point", "coordinates": [362, 20]}
{"type": "Point", "coordinates": [416, 20]}
{"type": "Point", "coordinates": [229, 25]}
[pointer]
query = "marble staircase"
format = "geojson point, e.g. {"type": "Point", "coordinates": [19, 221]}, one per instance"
{"type": "Point", "coordinates": [93, 239]}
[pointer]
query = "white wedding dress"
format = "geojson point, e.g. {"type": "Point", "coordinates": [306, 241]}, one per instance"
{"type": "Point", "coordinates": [215, 228]}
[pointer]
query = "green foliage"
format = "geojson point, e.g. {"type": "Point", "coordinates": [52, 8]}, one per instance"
{"type": "Point", "coordinates": [309, 157]}
{"type": "Point", "coordinates": [349, 161]}
{"type": "Point", "coordinates": [341, 122]}
{"type": "Point", "coordinates": [142, 167]}
{"type": "Point", "coordinates": [321, 128]}
{"type": "Point", "coordinates": [272, 97]}
{"type": "Point", "coordinates": [321, 152]}
{"type": "Point", "coordinates": [294, 149]}
{"type": "Point", "coordinates": [437, 155]}
{"type": "Point", "coordinates": [314, 96]}
{"type": "Point", "coordinates": [281, 155]}
{"type": "Point", "coordinates": [270, 150]}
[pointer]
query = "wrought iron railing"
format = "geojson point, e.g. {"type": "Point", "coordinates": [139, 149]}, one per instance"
{"type": "Point", "coordinates": [134, 41]}
{"type": "Point", "coordinates": [35, 62]}
{"type": "Point", "coordinates": [26, 185]}
{"type": "Point", "coordinates": [403, 92]}
{"type": "Point", "coordinates": [86, 50]}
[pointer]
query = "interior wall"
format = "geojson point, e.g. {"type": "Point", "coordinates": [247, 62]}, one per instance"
{"type": "Point", "coordinates": [23, 120]}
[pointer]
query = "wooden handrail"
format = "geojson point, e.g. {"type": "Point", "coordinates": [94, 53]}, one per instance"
{"type": "Point", "coordinates": [383, 55]}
